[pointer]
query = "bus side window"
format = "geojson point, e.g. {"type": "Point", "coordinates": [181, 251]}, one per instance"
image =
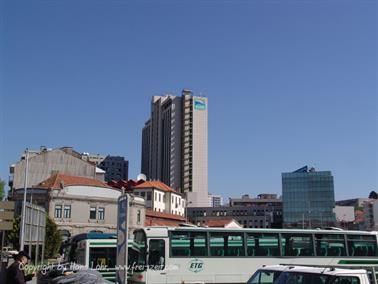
{"type": "Point", "coordinates": [226, 244]}
{"type": "Point", "coordinates": [330, 245]}
{"type": "Point", "coordinates": [156, 255]}
{"type": "Point", "coordinates": [362, 245]}
{"type": "Point", "coordinates": [297, 245]}
{"type": "Point", "coordinates": [262, 244]}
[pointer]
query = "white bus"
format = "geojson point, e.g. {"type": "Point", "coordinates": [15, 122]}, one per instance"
{"type": "Point", "coordinates": [218, 255]}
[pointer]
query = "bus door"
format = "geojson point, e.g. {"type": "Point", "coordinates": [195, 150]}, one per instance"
{"type": "Point", "coordinates": [156, 261]}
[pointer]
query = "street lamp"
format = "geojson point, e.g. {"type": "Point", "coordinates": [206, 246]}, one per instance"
{"type": "Point", "coordinates": [22, 237]}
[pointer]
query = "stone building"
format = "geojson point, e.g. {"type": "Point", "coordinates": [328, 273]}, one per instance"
{"type": "Point", "coordinates": [81, 205]}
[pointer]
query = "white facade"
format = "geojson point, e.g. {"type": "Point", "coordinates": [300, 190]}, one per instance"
{"type": "Point", "coordinates": [215, 200]}
{"type": "Point", "coordinates": [162, 201]}
{"type": "Point", "coordinates": [344, 213]}
{"type": "Point", "coordinates": [174, 145]}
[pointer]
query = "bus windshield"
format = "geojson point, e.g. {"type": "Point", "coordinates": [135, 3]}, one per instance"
{"type": "Point", "coordinates": [137, 255]}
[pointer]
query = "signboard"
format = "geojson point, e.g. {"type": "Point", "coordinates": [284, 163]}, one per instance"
{"type": "Point", "coordinates": [6, 215]}
{"type": "Point", "coordinates": [122, 237]}
{"type": "Point", "coordinates": [35, 227]}
{"type": "Point", "coordinates": [200, 103]}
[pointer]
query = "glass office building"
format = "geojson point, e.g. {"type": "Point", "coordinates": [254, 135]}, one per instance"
{"type": "Point", "coordinates": [308, 199]}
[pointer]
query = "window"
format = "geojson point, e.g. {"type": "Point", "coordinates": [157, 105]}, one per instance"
{"type": "Point", "coordinates": [155, 197]}
{"type": "Point", "coordinates": [159, 197]}
{"type": "Point", "coordinates": [263, 245]}
{"type": "Point", "coordinates": [362, 245]}
{"type": "Point", "coordinates": [67, 211]}
{"type": "Point", "coordinates": [148, 195]}
{"type": "Point", "coordinates": [330, 245]}
{"type": "Point", "coordinates": [188, 244]}
{"type": "Point", "coordinates": [138, 217]}
{"type": "Point", "coordinates": [297, 245]}
{"type": "Point", "coordinates": [156, 256]}
{"type": "Point", "coordinates": [101, 213]}
{"type": "Point", "coordinates": [345, 280]}
{"type": "Point", "coordinates": [143, 194]}
{"type": "Point", "coordinates": [226, 244]}
{"type": "Point", "coordinates": [58, 211]}
{"type": "Point", "coordinates": [264, 277]}
{"type": "Point", "coordinates": [92, 213]}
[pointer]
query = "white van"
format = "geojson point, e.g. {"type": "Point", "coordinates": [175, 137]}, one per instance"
{"type": "Point", "coordinates": [284, 274]}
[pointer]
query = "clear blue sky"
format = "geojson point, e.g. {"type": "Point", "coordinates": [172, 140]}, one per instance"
{"type": "Point", "coordinates": [289, 83]}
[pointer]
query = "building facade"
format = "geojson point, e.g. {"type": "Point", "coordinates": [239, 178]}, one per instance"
{"type": "Point", "coordinates": [42, 164]}
{"type": "Point", "coordinates": [174, 145]}
{"type": "Point", "coordinates": [81, 205]}
{"type": "Point", "coordinates": [115, 167]}
{"type": "Point", "coordinates": [308, 199]}
{"type": "Point", "coordinates": [215, 200]}
{"type": "Point", "coordinates": [160, 198]}
{"type": "Point", "coordinates": [370, 210]}
{"type": "Point", "coordinates": [256, 216]}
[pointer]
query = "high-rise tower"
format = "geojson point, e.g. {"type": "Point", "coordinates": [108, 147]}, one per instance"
{"type": "Point", "coordinates": [174, 145]}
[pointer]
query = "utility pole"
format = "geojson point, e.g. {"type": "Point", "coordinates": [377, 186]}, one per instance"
{"type": "Point", "coordinates": [22, 238]}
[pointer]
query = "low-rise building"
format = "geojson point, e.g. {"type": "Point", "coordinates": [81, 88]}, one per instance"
{"type": "Point", "coordinates": [160, 197]}
{"type": "Point", "coordinates": [81, 205]}
{"type": "Point", "coordinates": [256, 216]}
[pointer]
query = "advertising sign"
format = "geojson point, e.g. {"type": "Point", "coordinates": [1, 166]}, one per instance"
{"type": "Point", "coordinates": [122, 237]}
{"type": "Point", "coordinates": [200, 103]}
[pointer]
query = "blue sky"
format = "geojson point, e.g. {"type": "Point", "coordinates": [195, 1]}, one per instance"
{"type": "Point", "coordinates": [289, 83]}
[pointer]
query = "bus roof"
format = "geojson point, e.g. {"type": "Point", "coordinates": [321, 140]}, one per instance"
{"type": "Point", "coordinates": [84, 236]}
{"type": "Point", "coordinates": [162, 231]}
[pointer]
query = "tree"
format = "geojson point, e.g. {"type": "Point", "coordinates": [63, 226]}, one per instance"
{"type": "Point", "coordinates": [13, 236]}
{"type": "Point", "coordinates": [53, 238]}
{"type": "Point", "coordinates": [2, 189]}
{"type": "Point", "coordinates": [373, 195]}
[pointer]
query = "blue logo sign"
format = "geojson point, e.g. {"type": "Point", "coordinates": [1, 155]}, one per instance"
{"type": "Point", "coordinates": [196, 265]}
{"type": "Point", "coordinates": [199, 104]}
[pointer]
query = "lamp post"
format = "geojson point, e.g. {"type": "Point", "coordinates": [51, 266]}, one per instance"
{"type": "Point", "coordinates": [22, 237]}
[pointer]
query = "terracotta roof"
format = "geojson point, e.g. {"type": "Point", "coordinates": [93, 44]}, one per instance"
{"type": "Point", "coordinates": [59, 181]}
{"type": "Point", "coordinates": [157, 222]}
{"type": "Point", "coordinates": [219, 222]}
{"type": "Point", "coordinates": [155, 184]}
{"type": "Point", "coordinates": [163, 215]}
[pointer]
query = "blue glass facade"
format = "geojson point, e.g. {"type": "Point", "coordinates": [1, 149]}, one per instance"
{"type": "Point", "coordinates": [308, 199]}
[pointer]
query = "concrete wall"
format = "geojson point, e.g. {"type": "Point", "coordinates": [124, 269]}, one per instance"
{"type": "Point", "coordinates": [43, 165]}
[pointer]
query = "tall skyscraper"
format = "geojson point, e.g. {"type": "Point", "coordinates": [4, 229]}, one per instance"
{"type": "Point", "coordinates": [308, 198]}
{"type": "Point", "coordinates": [174, 145]}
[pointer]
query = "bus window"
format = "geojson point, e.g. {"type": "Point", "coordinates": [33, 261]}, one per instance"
{"type": "Point", "coordinates": [297, 245]}
{"type": "Point", "coordinates": [188, 244]}
{"type": "Point", "coordinates": [330, 245]}
{"type": "Point", "coordinates": [156, 256]}
{"type": "Point", "coordinates": [362, 245]}
{"type": "Point", "coordinates": [262, 245]}
{"type": "Point", "coordinates": [226, 244]}
{"type": "Point", "coordinates": [102, 257]}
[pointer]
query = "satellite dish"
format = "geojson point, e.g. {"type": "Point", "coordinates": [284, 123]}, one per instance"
{"type": "Point", "coordinates": [141, 177]}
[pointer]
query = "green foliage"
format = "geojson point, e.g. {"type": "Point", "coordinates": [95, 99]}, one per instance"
{"type": "Point", "coordinates": [53, 239]}
{"type": "Point", "coordinates": [2, 189]}
{"type": "Point", "coordinates": [13, 237]}
{"type": "Point", "coordinates": [373, 195]}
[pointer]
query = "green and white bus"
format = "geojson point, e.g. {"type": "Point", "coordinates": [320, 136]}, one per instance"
{"type": "Point", "coordinates": [96, 251]}
{"type": "Point", "coordinates": [219, 255]}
